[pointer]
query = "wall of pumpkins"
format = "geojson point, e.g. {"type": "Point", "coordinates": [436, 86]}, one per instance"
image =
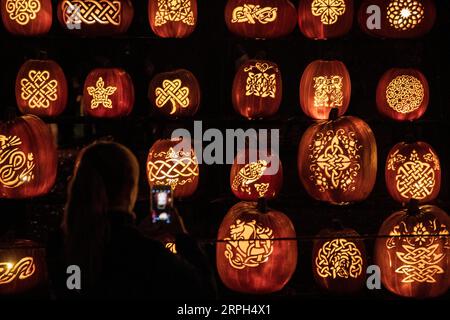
{"type": "Point", "coordinates": [362, 117]}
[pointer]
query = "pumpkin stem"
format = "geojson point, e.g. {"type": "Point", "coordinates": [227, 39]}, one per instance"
{"type": "Point", "coordinates": [337, 225]}
{"type": "Point", "coordinates": [262, 205]}
{"type": "Point", "coordinates": [412, 208]}
{"type": "Point", "coordinates": [334, 114]}
{"type": "Point", "coordinates": [42, 55]}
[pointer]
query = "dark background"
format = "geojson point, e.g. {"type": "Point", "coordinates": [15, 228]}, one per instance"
{"type": "Point", "coordinates": [212, 54]}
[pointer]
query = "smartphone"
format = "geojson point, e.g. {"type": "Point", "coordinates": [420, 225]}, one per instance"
{"type": "Point", "coordinates": [161, 202]}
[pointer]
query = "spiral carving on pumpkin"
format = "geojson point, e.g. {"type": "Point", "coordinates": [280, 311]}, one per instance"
{"type": "Point", "coordinates": [22, 11]}
{"type": "Point", "coordinates": [21, 270]}
{"type": "Point", "coordinates": [405, 14]}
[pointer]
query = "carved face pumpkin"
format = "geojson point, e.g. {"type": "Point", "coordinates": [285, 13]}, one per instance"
{"type": "Point", "coordinates": [414, 259]}
{"type": "Point", "coordinates": [339, 261]}
{"type": "Point", "coordinates": [397, 18]}
{"type": "Point", "coordinates": [41, 88]}
{"type": "Point", "coordinates": [250, 260]}
{"type": "Point", "coordinates": [323, 19]}
{"type": "Point", "coordinates": [413, 171]}
{"type": "Point", "coordinates": [28, 158]}
{"type": "Point", "coordinates": [261, 178]}
{"type": "Point", "coordinates": [175, 94]}
{"type": "Point", "coordinates": [325, 85]}
{"type": "Point", "coordinates": [23, 268]}
{"type": "Point", "coordinates": [95, 17]}
{"type": "Point", "coordinates": [27, 17]}
{"type": "Point", "coordinates": [173, 163]}
{"type": "Point", "coordinates": [260, 19]}
{"type": "Point", "coordinates": [403, 94]}
{"type": "Point", "coordinates": [257, 89]}
{"type": "Point", "coordinates": [337, 160]}
{"type": "Point", "coordinates": [108, 93]}
{"type": "Point", "coordinates": [172, 18]}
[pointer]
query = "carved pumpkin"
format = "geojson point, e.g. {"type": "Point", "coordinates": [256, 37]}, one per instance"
{"type": "Point", "coordinates": [173, 163]}
{"type": "Point", "coordinates": [27, 17]}
{"type": "Point", "coordinates": [250, 260]}
{"type": "Point", "coordinates": [323, 19]}
{"type": "Point", "coordinates": [261, 178]}
{"type": "Point", "coordinates": [337, 160]}
{"type": "Point", "coordinates": [397, 18]}
{"type": "Point", "coordinates": [339, 261]}
{"type": "Point", "coordinates": [257, 89]}
{"type": "Point", "coordinates": [41, 88]}
{"type": "Point", "coordinates": [175, 94]}
{"type": "Point", "coordinates": [414, 258]}
{"type": "Point", "coordinates": [95, 17]}
{"type": "Point", "coordinates": [172, 18]}
{"type": "Point", "coordinates": [108, 93]}
{"type": "Point", "coordinates": [403, 94]}
{"type": "Point", "coordinates": [261, 19]}
{"type": "Point", "coordinates": [28, 158]}
{"type": "Point", "coordinates": [413, 171]}
{"type": "Point", "coordinates": [325, 85]}
{"type": "Point", "coordinates": [23, 268]}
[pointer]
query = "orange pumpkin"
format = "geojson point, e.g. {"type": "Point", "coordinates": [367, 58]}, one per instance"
{"type": "Point", "coordinates": [324, 19]}
{"type": "Point", "coordinates": [41, 88]}
{"type": "Point", "coordinates": [413, 171]}
{"type": "Point", "coordinates": [261, 19]}
{"type": "Point", "coordinates": [403, 94]}
{"type": "Point", "coordinates": [251, 260]}
{"type": "Point", "coordinates": [27, 18]}
{"type": "Point", "coordinates": [172, 18]}
{"type": "Point", "coordinates": [325, 85]}
{"type": "Point", "coordinates": [414, 258]}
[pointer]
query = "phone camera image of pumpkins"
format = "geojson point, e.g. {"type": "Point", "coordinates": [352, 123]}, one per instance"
{"type": "Point", "coordinates": [260, 19]}
{"type": "Point", "coordinates": [403, 94]}
{"type": "Point", "coordinates": [413, 171]}
{"type": "Point", "coordinates": [175, 94]}
{"type": "Point", "coordinates": [173, 163]}
{"type": "Point", "coordinates": [28, 158]}
{"type": "Point", "coordinates": [397, 18]}
{"type": "Point", "coordinates": [324, 19]}
{"type": "Point", "coordinates": [257, 89]}
{"type": "Point", "coordinates": [414, 252]}
{"type": "Point", "coordinates": [41, 88]}
{"type": "Point", "coordinates": [325, 85]}
{"type": "Point", "coordinates": [249, 256]}
{"type": "Point", "coordinates": [108, 93]}
{"type": "Point", "coordinates": [172, 18]}
{"type": "Point", "coordinates": [27, 17]}
{"type": "Point", "coordinates": [339, 260]}
{"type": "Point", "coordinates": [261, 178]}
{"type": "Point", "coordinates": [23, 268]}
{"type": "Point", "coordinates": [95, 17]}
{"type": "Point", "coordinates": [337, 160]}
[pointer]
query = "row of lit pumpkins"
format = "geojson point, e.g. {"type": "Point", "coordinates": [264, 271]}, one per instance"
{"type": "Point", "coordinates": [256, 253]}
{"type": "Point", "coordinates": [41, 89]}
{"type": "Point", "coordinates": [318, 19]}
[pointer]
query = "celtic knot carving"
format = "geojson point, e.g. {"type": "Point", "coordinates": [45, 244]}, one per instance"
{"type": "Point", "coordinates": [260, 83]}
{"type": "Point", "coordinates": [38, 89]}
{"type": "Point", "coordinates": [174, 92]}
{"type": "Point", "coordinates": [92, 11]}
{"type": "Point", "coordinates": [405, 94]}
{"type": "Point", "coordinates": [22, 11]}
{"type": "Point", "coordinates": [328, 91]}
{"type": "Point", "coordinates": [251, 13]}
{"type": "Point", "coordinates": [328, 10]}
{"type": "Point", "coordinates": [174, 11]}
{"type": "Point", "coordinates": [21, 270]}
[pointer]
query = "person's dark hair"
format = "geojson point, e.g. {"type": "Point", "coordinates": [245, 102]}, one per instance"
{"type": "Point", "coordinates": [105, 178]}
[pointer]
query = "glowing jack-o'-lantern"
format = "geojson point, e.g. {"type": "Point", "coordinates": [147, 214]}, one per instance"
{"type": "Point", "coordinates": [175, 94]}
{"type": "Point", "coordinates": [261, 178]}
{"type": "Point", "coordinates": [173, 163]}
{"type": "Point", "coordinates": [413, 171]}
{"type": "Point", "coordinates": [323, 19]}
{"type": "Point", "coordinates": [397, 18]}
{"type": "Point", "coordinates": [108, 93]}
{"type": "Point", "coordinates": [337, 160]}
{"type": "Point", "coordinates": [414, 258]}
{"type": "Point", "coordinates": [325, 85]}
{"type": "Point", "coordinates": [95, 17]}
{"type": "Point", "coordinates": [23, 268]}
{"type": "Point", "coordinates": [41, 88]}
{"type": "Point", "coordinates": [260, 19]}
{"type": "Point", "coordinates": [403, 94]}
{"type": "Point", "coordinates": [27, 158]}
{"type": "Point", "coordinates": [257, 89]}
{"type": "Point", "coordinates": [339, 260]}
{"type": "Point", "coordinates": [172, 18]}
{"type": "Point", "coordinates": [27, 17]}
{"type": "Point", "coordinates": [251, 259]}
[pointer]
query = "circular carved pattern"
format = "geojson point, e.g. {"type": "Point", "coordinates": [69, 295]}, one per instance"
{"type": "Point", "coordinates": [405, 14]}
{"type": "Point", "coordinates": [405, 94]}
